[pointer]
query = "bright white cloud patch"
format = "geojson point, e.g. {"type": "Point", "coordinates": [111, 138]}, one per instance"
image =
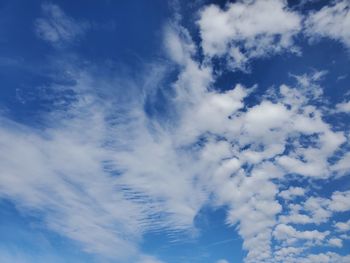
{"type": "Point", "coordinates": [158, 186]}
{"type": "Point", "coordinates": [291, 235]}
{"type": "Point", "coordinates": [343, 226]}
{"type": "Point", "coordinates": [292, 192]}
{"type": "Point", "coordinates": [336, 242]}
{"type": "Point", "coordinates": [343, 107]}
{"type": "Point", "coordinates": [332, 21]}
{"type": "Point", "coordinates": [247, 29]}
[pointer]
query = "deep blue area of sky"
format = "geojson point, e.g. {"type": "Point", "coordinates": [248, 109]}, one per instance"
{"type": "Point", "coordinates": [129, 34]}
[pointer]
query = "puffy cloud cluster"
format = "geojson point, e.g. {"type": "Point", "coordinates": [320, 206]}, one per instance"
{"type": "Point", "coordinates": [292, 192]}
{"type": "Point", "coordinates": [246, 30]}
{"type": "Point", "coordinates": [329, 257]}
{"type": "Point", "coordinates": [343, 107]}
{"type": "Point", "coordinates": [291, 235]}
{"type": "Point", "coordinates": [343, 226]}
{"type": "Point", "coordinates": [317, 210]}
{"type": "Point", "coordinates": [332, 21]}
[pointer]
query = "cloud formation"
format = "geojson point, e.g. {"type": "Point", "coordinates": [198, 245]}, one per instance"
{"type": "Point", "coordinates": [129, 172]}
{"type": "Point", "coordinates": [58, 28]}
{"type": "Point", "coordinates": [246, 30]}
{"type": "Point", "coordinates": [332, 21]}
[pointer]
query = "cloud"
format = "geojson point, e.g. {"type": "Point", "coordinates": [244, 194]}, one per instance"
{"type": "Point", "coordinates": [342, 166]}
{"type": "Point", "coordinates": [58, 175]}
{"type": "Point", "coordinates": [330, 21]}
{"type": "Point", "coordinates": [129, 172]}
{"type": "Point", "coordinates": [328, 257]}
{"type": "Point", "coordinates": [340, 201]}
{"type": "Point", "coordinates": [318, 208]}
{"type": "Point", "coordinates": [63, 171]}
{"type": "Point", "coordinates": [148, 259]}
{"type": "Point", "coordinates": [290, 235]}
{"type": "Point", "coordinates": [343, 226]}
{"type": "Point", "coordinates": [247, 30]}
{"type": "Point", "coordinates": [295, 216]}
{"type": "Point", "coordinates": [343, 107]}
{"type": "Point", "coordinates": [58, 28]}
{"type": "Point", "coordinates": [336, 242]}
{"type": "Point", "coordinates": [292, 192]}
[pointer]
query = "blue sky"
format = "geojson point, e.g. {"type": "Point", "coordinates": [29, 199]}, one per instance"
{"type": "Point", "coordinates": [175, 131]}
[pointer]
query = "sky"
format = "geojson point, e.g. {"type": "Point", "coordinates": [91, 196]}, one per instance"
{"type": "Point", "coordinates": [175, 131]}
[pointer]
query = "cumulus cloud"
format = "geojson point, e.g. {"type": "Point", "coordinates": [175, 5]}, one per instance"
{"type": "Point", "coordinates": [343, 107]}
{"type": "Point", "coordinates": [148, 259]}
{"type": "Point", "coordinates": [336, 242]}
{"type": "Point", "coordinates": [317, 210]}
{"type": "Point", "coordinates": [292, 192]}
{"type": "Point", "coordinates": [340, 201]}
{"type": "Point", "coordinates": [58, 28]}
{"type": "Point", "coordinates": [130, 173]}
{"type": "Point", "coordinates": [332, 21]}
{"type": "Point", "coordinates": [342, 166]}
{"type": "Point", "coordinates": [246, 30]}
{"type": "Point", "coordinates": [290, 235]}
{"type": "Point", "coordinates": [343, 226]}
{"type": "Point", "coordinates": [326, 257]}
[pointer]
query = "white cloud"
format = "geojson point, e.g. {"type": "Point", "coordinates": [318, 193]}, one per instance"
{"type": "Point", "coordinates": [11, 255]}
{"type": "Point", "coordinates": [343, 226]}
{"type": "Point", "coordinates": [295, 216]}
{"type": "Point", "coordinates": [332, 21]}
{"type": "Point", "coordinates": [290, 235]}
{"type": "Point", "coordinates": [284, 253]}
{"type": "Point", "coordinates": [128, 173]}
{"type": "Point", "coordinates": [58, 28]}
{"type": "Point", "coordinates": [246, 30]}
{"type": "Point", "coordinates": [343, 107]}
{"type": "Point", "coordinates": [178, 44]}
{"type": "Point", "coordinates": [148, 259]}
{"type": "Point", "coordinates": [328, 257]}
{"type": "Point", "coordinates": [342, 166]}
{"type": "Point", "coordinates": [262, 131]}
{"type": "Point", "coordinates": [336, 242]}
{"type": "Point", "coordinates": [61, 173]}
{"type": "Point", "coordinates": [317, 210]}
{"type": "Point", "coordinates": [65, 172]}
{"type": "Point", "coordinates": [340, 201]}
{"type": "Point", "coordinates": [292, 192]}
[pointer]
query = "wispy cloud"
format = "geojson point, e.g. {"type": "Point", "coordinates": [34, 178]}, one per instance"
{"type": "Point", "coordinates": [58, 28]}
